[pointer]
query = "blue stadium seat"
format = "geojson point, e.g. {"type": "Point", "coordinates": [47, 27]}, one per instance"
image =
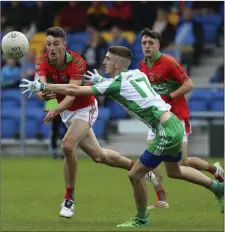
{"type": "Point", "coordinates": [10, 102]}
{"type": "Point", "coordinates": [9, 127]}
{"type": "Point", "coordinates": [104, 114]}
{"type": "Point", "coordinates": [15, 93]}
{"type": "Point", "coordinates": [34, 120]}
{"type": "Point", "coordinates": [214, 19]}
{"type": "Point", "coordinates": [170, 52]}
{"type": "Point", "coordinates": [210, 33]}
{"type": "Point", "coordinates": [117, 111]}
{"type": "Point", "coordinates": [34, 102]}
{"type": "Point", "coordinates": [77, 47]}
{"type": "Point", "coordinates": [45, 130]}
{"type": "Point", "coordinates": [196, 104]}
{"type": "Point", "coordinates": [81, 36]}
{"type": "Point", "coordinates": [217, 105]}
{"type": "Point", "coordinates": [136, 48]}
{"type": "Point", "coordinates": [202, 94]}
{"type": "Point", "coordinates": [99, 128]}
{"type": "Point", "coordinates": [28, 3]}
{"type": "Point", "coordinates": [218, 94]}
{"type": "Point", "coordinates": [10, 122]}
{"type": "Point", "coordinates": [217, 101]}
{"type": "Point", "coordinates": [77, 41]}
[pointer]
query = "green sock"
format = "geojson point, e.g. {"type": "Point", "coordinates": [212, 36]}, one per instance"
{"type": "Point", "coordinates": [142, 213]}
{"type": "Point", "coordinates": [216, 188]}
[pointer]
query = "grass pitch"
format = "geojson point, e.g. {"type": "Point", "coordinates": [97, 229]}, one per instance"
{"type": "Point", "coordinates": [32, 190]}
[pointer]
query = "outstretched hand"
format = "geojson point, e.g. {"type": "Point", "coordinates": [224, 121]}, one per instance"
{"type": "Point", "coordinates": [94, 78]}
{"type": "Point", "coordinates": [32, 86]}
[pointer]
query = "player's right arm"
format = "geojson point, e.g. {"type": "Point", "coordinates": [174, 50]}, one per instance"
{"type": "Point", "coordinates": [41, 70]}
{"type": "Point", "coordinates": [181, 76]}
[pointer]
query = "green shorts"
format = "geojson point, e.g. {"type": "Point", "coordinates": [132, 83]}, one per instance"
{"type": "Point", "coordinates": [168, 139]}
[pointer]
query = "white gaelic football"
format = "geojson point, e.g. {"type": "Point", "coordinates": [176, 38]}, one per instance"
{"type": "Point", "coordinates": [15, 45]}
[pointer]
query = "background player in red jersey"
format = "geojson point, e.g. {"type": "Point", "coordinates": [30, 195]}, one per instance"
{"type": "Point", "coordinates": [169, 79]}
{"type": "Point", "coordinates": [79, 113]}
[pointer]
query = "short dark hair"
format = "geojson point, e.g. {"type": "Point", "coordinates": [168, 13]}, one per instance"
{"type": "Point", "coordinates": [121, 51]}
{"type": "Point", "coordinates": [150, 33]}
{"type": "Point", "coordinates": [56, 32]}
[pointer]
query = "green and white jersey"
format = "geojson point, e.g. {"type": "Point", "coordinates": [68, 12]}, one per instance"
{"type": "Point", "coordinates": [133, 91]}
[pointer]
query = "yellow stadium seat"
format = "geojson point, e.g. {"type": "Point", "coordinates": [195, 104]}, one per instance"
{"type": "Point", "coordinates": [37, 43]}
{"type": "Point", "coordinates": [107, 36]}
{"type": "Point", "coordinates": [39, 36]}
{"type": "Point", "coordinates": [173, 18]}
{"type": "Point", "coordinates": [128, 35]}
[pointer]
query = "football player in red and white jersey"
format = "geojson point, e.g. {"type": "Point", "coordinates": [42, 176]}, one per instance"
{"type": "Point", "coordinates": [169, 79]}
{"type": "Point", "coordinates": [79, 113]}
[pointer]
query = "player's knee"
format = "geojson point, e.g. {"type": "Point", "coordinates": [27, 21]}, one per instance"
{"type": "Point", "coordinates": [97, 159]}
{"type": "Point", "coordinates": [67, 148]}
{"type": "Point", "coordinates": [174, 175]}
{"type": "Point", "coordinates": [184, 162]}
{"type": "Point", "coordinates": [98, 156]}
{"type": "Point", "coordinates": [133, 177]}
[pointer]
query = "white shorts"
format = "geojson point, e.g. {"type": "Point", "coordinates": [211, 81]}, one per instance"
{"type": "Point", "coordinates": [187, 131]}
{"type": "Point", "coordinates": [88, 114]}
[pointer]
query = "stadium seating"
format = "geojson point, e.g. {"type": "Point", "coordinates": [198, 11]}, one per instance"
{"type": "Point", "coordinates": [10, 98]}
{"type": "Point", "coordinates": [198, 105]}
{"type": "Point", "coordinates": [117, 111]}
{"type": "Point", "coordinates": [199, 100]}
{"type": "Point", "coordinates": [99, 128]}
{"type": "Point", "coordinates": [10, 122]}
{"type": "Point", "coordinates": [34, 119]}
{"type": "Point", "coordinates": [77, 41]}
{"type": "Point", "coordinates": [211, 24]}
{"type": "Point", "coordinates": [102, 121]}
{"type": "Point", "coordinates": [217, 101]}
{"type": "Point", "coordinates": [34, 102]}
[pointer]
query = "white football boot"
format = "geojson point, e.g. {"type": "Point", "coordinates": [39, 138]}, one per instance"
{"type": "Point", "coordinates": [67, 210]}
{"type": "Point", "coordinates": [219, 174]}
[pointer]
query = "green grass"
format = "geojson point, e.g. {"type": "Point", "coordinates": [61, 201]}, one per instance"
{"type": "Point", "coordinates": [33, 189]}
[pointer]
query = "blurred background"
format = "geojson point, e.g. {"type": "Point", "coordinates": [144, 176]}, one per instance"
{"type": "Point", "coordinates": [191, 31]}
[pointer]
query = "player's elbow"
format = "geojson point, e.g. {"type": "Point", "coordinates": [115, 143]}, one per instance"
{"type": "Point", "coordinates": [190, 84]}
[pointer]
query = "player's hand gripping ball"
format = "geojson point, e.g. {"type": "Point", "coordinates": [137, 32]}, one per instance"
{"type": "Point", "coordinates": [15, 45]}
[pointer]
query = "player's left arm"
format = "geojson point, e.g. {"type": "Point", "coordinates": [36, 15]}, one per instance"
{"type": "Point", "coordinates": [68, 100]}
{"type": "Point", "coordinates": [76, 72]}
{"type": "Point", "coordinates": [178, 72]}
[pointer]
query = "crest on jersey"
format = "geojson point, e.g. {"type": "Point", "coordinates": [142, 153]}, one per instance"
{"type": "Point", "coordinates": [81, 70]}
{"type": "Point", "coordinates": [151, 76]}
{"type": "Point", "coordinates": [158, 75]}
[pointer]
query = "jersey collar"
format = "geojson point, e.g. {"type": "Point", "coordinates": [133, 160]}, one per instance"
{"type": "Point", "coordinates": [68, 58]}
{"type": "Point", "coordinates": [155, 58]}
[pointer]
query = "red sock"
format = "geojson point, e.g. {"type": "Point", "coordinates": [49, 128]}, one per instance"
{"type": "Point", "coordinates": [69, 194]}
{"type": "Point", "coordinates": [161, 195]}
{"type": "Point", "coordinates": [212, 169]}
{"type": "Point", "coordinates": [132, 164]}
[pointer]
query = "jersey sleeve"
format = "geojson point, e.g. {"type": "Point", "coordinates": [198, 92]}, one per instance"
{"type": "Point", "coordinates": [107, 87]}
{"type": "Point", "coordinates": [78, 69]}
{"type": "Point", "coordinates": [41, 67]}
{"type": "Point", "coordinates": [178, 71]}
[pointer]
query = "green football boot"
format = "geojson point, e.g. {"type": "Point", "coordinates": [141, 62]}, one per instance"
{"type": "Point", "coordinates": [136, 222]}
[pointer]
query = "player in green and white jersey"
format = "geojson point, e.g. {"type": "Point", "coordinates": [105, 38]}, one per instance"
{"type": "Point", "coordinates": [132, 90]}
